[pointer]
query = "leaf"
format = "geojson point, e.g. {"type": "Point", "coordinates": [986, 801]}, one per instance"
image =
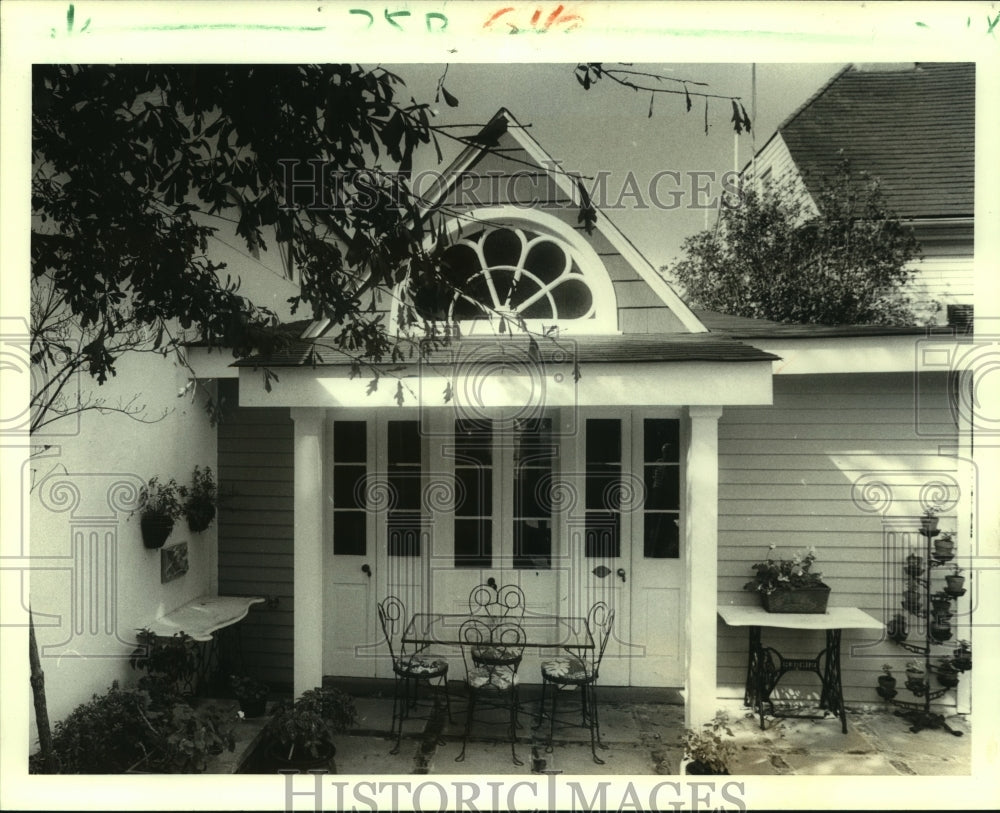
{"type": "Point", "coordinates": [649, 115]}
{"type": "Point", "coordinates": [449, 393]}
{"type": "Point", "coordinates": [372, 385]}
{"type": "Point", "coordinates": [450, 100]}
{"type": "Point", "coordinates": [577, 375]}
{"type": "Point", "coordinates": [399, 393]}
{"type": "Point", "coordinates": [746, 118]}
{"type": "Point", "coordinates": [737, 119]}
{"type": "Point", "coordinates": [706, 115]}
{"type": "Point", "coordinates": [687, 98]}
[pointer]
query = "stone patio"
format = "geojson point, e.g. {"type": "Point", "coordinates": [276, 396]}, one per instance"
{"type": "Point", "coordinates": [641, 729]}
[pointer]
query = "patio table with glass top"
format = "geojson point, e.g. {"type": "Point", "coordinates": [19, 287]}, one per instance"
{"type": "Point", "coordinates": [541, 631]}
{"type": "Point", "coordinates": [765, 665]}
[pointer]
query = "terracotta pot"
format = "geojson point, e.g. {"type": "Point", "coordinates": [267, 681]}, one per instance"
{"type": "Point", "coordinates": [948, 678]}
{"type": "Point", "coordinates": [155, 529]}
{"type": "Point", "coordinates": [929, 523]}
{"type": "Point", "coordinates": [955, 585]}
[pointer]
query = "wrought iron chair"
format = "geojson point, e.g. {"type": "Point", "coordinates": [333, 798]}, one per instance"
{"type": "Point", "coordinates": [493, 603]}
{"type": "Point", "coordinates": [492, 683]}
{"type": "Point", "coordinates": [409, 669]}
{"type": "Point", "coordinates": [579, 671]}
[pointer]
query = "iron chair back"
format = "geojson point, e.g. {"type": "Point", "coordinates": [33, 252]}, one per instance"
{"type": "Point", "coordinates": [497, 602]}
{"type": "Point", "coordinates": [600, 621]}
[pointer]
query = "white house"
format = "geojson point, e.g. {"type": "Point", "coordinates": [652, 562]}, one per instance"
{"type": "Point", "coordinates": [625, 448]}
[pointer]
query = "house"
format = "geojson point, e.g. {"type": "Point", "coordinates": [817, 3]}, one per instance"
{"type": "Point", "coordinates": [629, 450]}
{"type": "Point", "coordinates": [912, 127]}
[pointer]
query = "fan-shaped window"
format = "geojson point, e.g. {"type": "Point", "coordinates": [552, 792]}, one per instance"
{"type": "Point", "coordinates": [522, 273]}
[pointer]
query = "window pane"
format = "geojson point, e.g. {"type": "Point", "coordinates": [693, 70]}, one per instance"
{"type": "Point", "coordinates": [533, 544]}
{"type": "Point", "coordinates": [349, 533]}
{"type": "Point", "coordinates": [473, 543]}
{"type": "Point", "coordinates": [475, 492]}
{"type": "Point", "coordinates": [348, 486]}
{"type": "Point", "coordinates": [350, 441]}
{"type": "Point", "coordinates": [404, 442]}
{"type": "Point", "coordinates": [603, 490]}
{"type": "Point", "coordinates": [403, 533]}
{"type": "Point", "coordinates": [602, 535]}
{"type": "Point", "coordinates": [659, 433]}
{"type": "Point", "coordinates": [663, 487]}
{"type": "Point", "coordinates": [405, 488]}
{"type": "Point", "coordinates": [473, 442]}
{"type": "Point", "coordinates": [662, 536]}
{"type": "Point", "coordinates": [604, 440]}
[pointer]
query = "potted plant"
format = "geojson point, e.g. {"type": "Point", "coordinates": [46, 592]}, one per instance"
{"type": "Point", "coordinates": [947, 674]}
{"type": "Point", "coordinates": [789, 585]}
{"type": "Point", "coordinates": [200, 500]}
{"type": "Point", "coordinates": [913, 598]}
{"type": "Point", "coordinates": [915, 677]}
{"type": "Point", "coordinates": [251, 693]}
{"type": "Point", "coordinates": [944, 547]}
{"type": "Point", "coordinates": [897, 628]}
{"type": "Point", "coordinates": [955, 582]}
{"type": "Point", "coordinates": [941, 602]}
{"type": "Point", "coordinates": [300, 734]}
{"type": "Point", "coordinates": [159, 507]}
{"type": "Point", "coordinates": [886, 683]}
{"type": "Point", "coordinates": [169, 665]}
{"type": "Point", "coordinates": [963, 656]}
{"type": "Point", "coordinates": [929, 521]}
{"type": "Point", "coordinates": [914, 564]}
{"type": "Point", "coordinates": [940, 629]}
{"type": "Point", "coordinates": [705, 751]}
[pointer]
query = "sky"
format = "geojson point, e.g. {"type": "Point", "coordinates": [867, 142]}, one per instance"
{"type": "Point", "coordinates": [609, 128]}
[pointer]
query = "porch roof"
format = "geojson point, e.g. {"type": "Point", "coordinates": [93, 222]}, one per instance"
{"type": "Point", "coordinates": [638, 348]}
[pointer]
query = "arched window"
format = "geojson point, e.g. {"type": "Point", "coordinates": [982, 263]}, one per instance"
{"type": "Point", "coordinates": [524, 270]}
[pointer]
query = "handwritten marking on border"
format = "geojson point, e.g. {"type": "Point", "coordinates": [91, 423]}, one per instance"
{"type": "Point", "coordinates": [555, 18]}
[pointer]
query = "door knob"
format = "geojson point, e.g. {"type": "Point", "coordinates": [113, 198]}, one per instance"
{"type": "Point", "coordinates": [621, 574]}
{"type": "Point", "coordinates": [492, 582]}
{"type": "Point", "coordinates": [366, 570]}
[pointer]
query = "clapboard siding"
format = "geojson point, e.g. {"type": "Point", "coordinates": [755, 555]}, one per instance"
{"type": "Point", "coordinates": [256, 533]}
{"type": "Point", "coordinates": [786, 474]}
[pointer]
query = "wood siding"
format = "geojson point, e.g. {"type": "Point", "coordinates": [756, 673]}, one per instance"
{"type": "Point", "coordinates": [786, 476]}
{"type": "Point", "coordinates": [256, 533]}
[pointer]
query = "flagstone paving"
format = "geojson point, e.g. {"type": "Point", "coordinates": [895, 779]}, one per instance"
{"type": "Point", "coordinates": [642, 737]}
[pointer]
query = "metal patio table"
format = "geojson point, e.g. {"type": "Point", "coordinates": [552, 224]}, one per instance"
{"type": "Point", "coordinates": [541, 631]}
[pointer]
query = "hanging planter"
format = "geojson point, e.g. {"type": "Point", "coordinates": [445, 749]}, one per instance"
{"type": "Point", "coordinates": [200, 500]}
{"type": "Point", "coordinates": [159, 508]}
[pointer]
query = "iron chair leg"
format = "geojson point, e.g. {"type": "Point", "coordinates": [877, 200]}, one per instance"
{"type": "Point", "coordinates": [398, 704]}
{"type": "Point", "coordinates": [470, 708]}
{"type": "Point", "coordinates": [514, 724]}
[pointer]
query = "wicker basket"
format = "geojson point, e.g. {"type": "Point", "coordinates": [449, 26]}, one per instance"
{"type": "Point", "coordinates": [803, 600]}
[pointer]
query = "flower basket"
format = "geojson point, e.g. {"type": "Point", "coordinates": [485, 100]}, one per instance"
{"type": "Point", "coordinates": [800, 600]}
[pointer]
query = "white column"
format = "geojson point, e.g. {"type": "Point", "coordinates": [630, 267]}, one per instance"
{"type": "Point", "coordinates": [701, 538]}
{"type": "Point", "coordinates": [308, 548]}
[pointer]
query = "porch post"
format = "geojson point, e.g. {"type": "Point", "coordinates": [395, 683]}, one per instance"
{"type": "Point", "coordinates": [701, 527]}
{"type": "Point", "coordinates": [308, 549]}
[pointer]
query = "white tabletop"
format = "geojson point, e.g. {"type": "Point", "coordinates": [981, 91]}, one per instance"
{"type": "Point", "coordinates": [833, 618]}
{"type": "Point", "coordinates": [202, 616]}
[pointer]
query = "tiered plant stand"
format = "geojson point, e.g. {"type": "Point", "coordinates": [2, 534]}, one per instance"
{"type": "Point", "coordinates": [918, 603]}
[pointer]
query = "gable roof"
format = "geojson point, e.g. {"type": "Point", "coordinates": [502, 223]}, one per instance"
{"type": "Point", "coordinates": [506, 143]}
{"type": "Point", "coordinates": [913, 128]}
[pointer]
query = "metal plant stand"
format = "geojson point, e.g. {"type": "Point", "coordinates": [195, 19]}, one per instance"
{"type": "Point", "coordinates": [917, 603]}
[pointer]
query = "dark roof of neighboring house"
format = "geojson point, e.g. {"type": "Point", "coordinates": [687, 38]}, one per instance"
{"type": "Point", "coordinates": [741, 327]}
{"type": "Point", "coordinates": [912, 128]}
{"type": "Point", "coordinates": [592, 349]}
